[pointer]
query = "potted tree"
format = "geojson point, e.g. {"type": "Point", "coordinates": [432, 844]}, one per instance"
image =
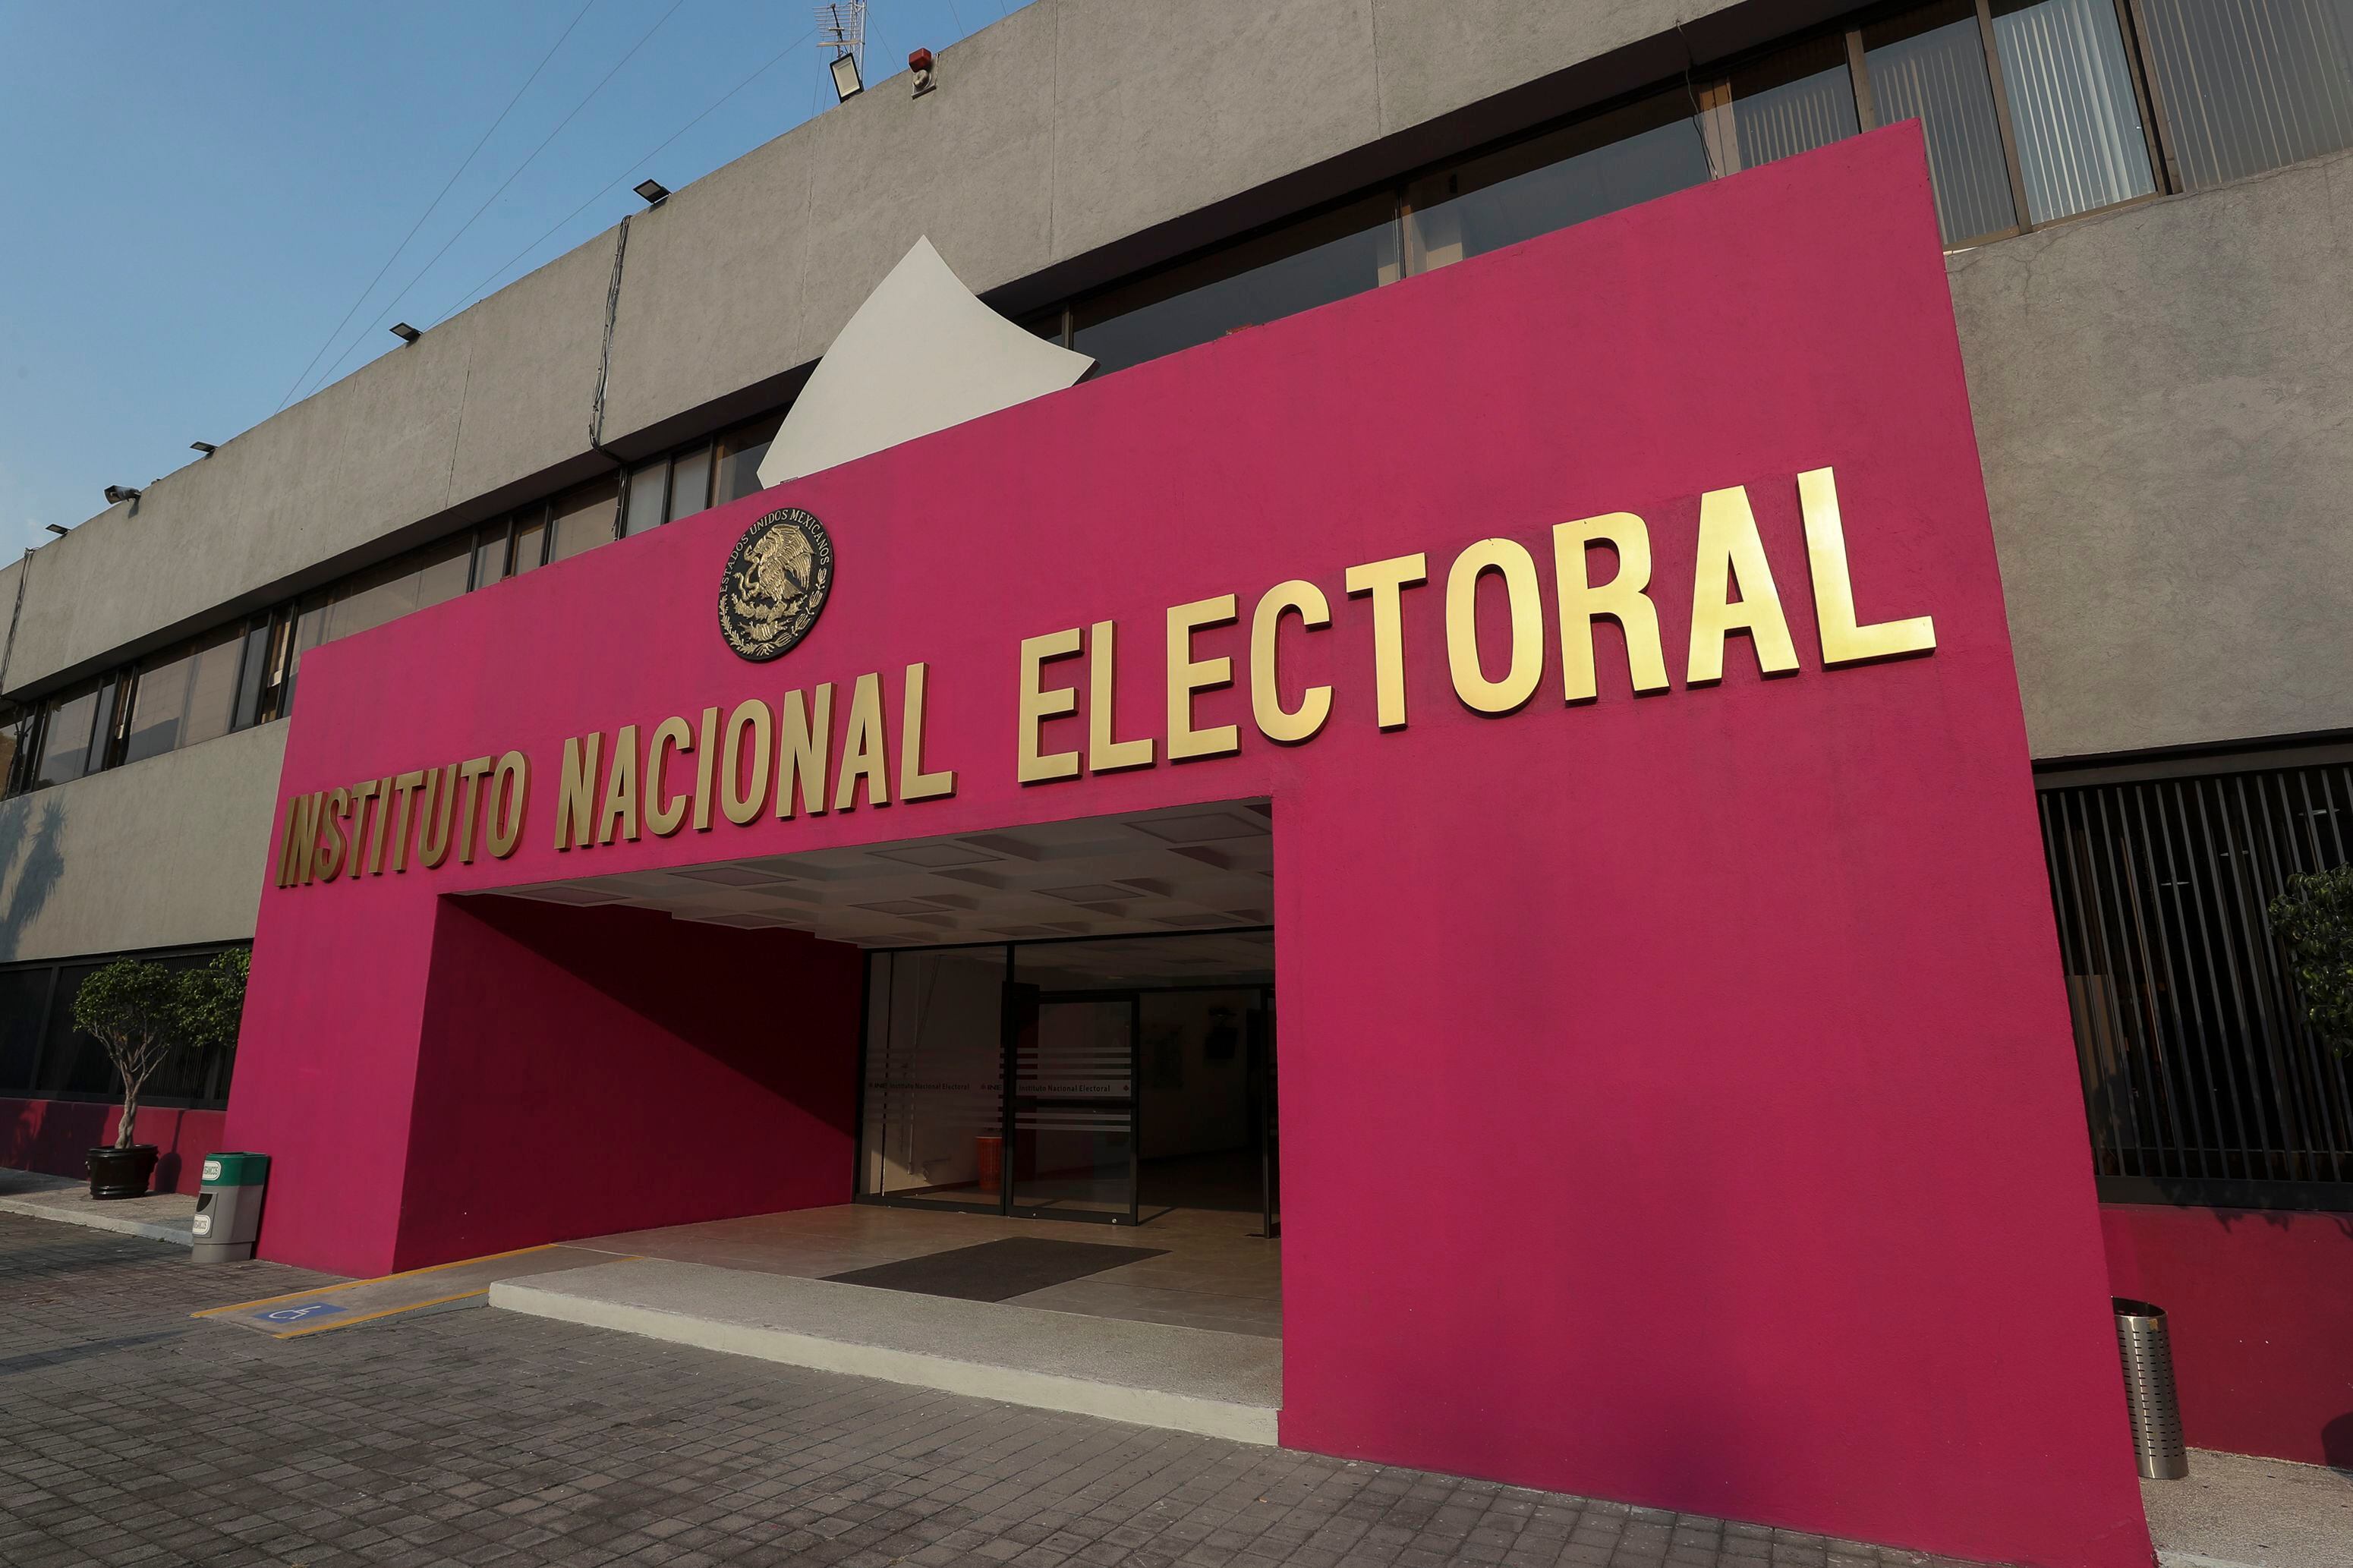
{"type": "Point", "coordinates": [2314, 920]}
{"type": "Point", "coordinates": [133, 1009]}
{"type": "Point", "coordinates": [141, 1013]}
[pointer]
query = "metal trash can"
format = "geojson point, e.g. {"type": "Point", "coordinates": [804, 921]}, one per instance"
{"type": "Point", "coordinates": [2149, 1389]}
{"type": "Point", "coordinates": [228, 1207]}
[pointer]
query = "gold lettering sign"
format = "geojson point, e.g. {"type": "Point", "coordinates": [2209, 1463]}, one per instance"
{"type": "Point", "coordinates": [609, 788]}
{"type": "Point", "coordinates": [1276, 723]}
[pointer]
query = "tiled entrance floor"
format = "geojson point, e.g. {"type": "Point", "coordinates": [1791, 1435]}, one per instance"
{"type": "Point", "coordinates": [1213, 1274]}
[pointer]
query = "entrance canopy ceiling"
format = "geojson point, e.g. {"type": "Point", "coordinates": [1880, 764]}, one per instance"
{"type": "Point", "coordinates": [1187, 869]}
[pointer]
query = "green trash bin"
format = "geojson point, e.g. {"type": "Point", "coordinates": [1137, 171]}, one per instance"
{"type": "Point", "coordinates": [228, 1207]}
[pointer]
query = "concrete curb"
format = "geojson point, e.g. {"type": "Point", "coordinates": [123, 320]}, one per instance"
{"type": "Point", "coordinates": [98, 1219]}
{"type": "Point", "coordinates": [1043, 1391]}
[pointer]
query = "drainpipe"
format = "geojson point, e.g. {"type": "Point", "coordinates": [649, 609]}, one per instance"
{"type": "Point", "coordinates": [8, 650]}
{"type": "Point", "coordinates": [7, 653]}
{"type": "Point", "coordinates": [604, 360]}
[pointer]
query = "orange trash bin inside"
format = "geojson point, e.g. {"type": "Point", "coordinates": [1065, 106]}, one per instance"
{"type": "Point", "coordinates": [988, 1158]}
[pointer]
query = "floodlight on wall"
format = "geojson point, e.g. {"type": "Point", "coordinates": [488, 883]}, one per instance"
{"type": "Point", "coordinates": [59, 528]}
{"type": "Point", "coordinates": [846, 84]}
{"type": "Point", "coordinates": [654, 192]}
{"type": "Point", "coordinates": [207, 447]}
{"type": "Point", "coordinates": [117, 494]}
{"type": "Point", "coordinates": [920, 63]}
{"type": "Point", "coordinates": [405, 332]}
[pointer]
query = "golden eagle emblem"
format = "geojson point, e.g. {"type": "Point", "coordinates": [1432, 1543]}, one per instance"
{"type": "Point", "coordinates": [776, 584]}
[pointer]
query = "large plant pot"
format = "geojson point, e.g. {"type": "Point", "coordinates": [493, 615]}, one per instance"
{"type": "Point", "coordinates": [122, 1173]}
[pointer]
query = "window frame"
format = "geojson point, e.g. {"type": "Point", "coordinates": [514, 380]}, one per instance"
{"type": "Point", "coordinates": [215, 1091]}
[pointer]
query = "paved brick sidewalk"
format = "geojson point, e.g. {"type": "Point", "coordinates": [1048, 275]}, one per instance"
{"type": "Point", "coordinates": [130, 1435]}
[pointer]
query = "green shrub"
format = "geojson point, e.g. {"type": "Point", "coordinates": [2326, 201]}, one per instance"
{"type": "Point", "coordinates": [2314, 920]}
{"type": "Point", "coordinates": [141, 1013]}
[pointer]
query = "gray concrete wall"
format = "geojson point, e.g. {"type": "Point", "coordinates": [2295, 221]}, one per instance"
{"type": "Point", "coordinates": [2158, 392]}
{"type": "Point", "coordinates": [495, 395]}
{"type": "Point", "coordinates": [1068, 127]}
{"type": "Point", "coordinates": [167, 851]}
{"type": "Point", "coordinates": [2164, 401]}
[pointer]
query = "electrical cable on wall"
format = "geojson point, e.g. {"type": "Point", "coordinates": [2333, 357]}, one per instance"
{"type": "Point", "coordinates": [434, 205]}
{"type": "Point", "coordinates": [494, 196]}
{"type": "Point", "coordinates": [499, 270]}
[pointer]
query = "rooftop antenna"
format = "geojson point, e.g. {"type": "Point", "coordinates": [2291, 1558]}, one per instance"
{"type": "Point", "coordinates": [841, 27]}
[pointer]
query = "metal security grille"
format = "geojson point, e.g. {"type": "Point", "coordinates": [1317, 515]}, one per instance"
{"type": "Point", "coordinates": [2200, 1080]}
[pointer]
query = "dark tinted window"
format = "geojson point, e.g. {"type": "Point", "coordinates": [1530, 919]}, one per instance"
{"type": "Point", "coordinates": [741, 453]}
{"type": "Point", "coordinates": [1794, 101]}
{"type": "Point", "coordinates": [649, 494]}
{"type": "Point", "coordinates": [23, 993]}
{"type": "Point", "coordinates": [186, 697]}
{"type": "Point", "coordinates": [71, 1061]}
{"type": "Point", "coordinates": [1294, 268]}
{"type": "Point", "coordinates": [52, 1058]}
{"type": "Point", "coordinates": [1595, 166]}
{"type": "Point", "coordinates": [1929, 65]}
{"type": "Point", "coordinates": [2251, 84]}
{"type": "Point", "coordinates": [583, 519]}
{"type": "Point", "coordinates": [690, 483]}
{"type": "Point", "coordinates": [66, 739]}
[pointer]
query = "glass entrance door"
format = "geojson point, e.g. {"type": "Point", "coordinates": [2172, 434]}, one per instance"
{"type": "Point", "coordinates": [1074, 1107]}
{"type": "Point", "coordinates": [1109, 1081]}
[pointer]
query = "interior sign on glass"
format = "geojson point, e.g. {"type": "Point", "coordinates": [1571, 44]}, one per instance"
{"type": "Point", "coordinates": [764, 761]}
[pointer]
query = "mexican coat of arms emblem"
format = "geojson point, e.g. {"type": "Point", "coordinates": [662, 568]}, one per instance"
{"type": "Point", "coordinates": [776, 582]}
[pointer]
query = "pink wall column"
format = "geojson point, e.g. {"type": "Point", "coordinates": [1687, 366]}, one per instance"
{"type": "Point", "coordinates": [591, 1070]}
{"type": "Point", "coordinates": [2259, 1309]}
{"type": "Point", "coordinates": [1679, 1101]}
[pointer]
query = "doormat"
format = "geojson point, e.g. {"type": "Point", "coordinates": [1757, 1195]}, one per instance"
{"type": "Point", "coordinates": [998, 1270]}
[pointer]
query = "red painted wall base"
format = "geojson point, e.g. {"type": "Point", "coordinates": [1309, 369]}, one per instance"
{"type": "Point", "coordinates": [2258, 1306]}
{"type": "Point", "coordinates": [53, 1135]}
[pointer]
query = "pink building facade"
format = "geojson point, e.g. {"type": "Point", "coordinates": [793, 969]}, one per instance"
{"type": "Point", "coordinates": [1678, 1100]}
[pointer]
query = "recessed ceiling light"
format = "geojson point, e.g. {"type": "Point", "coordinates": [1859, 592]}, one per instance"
{"type": "Point", "coordinates": [935, 855]}
{"type": "Point", "coordinates": [727, 876]}
{"type": "Point", "coordinates": [1200, 828]}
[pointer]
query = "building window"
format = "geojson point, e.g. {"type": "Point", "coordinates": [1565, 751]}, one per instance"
{"type": "Point", "coordinates": [1929, 65]}
{"type": "Point", "coordinates": [583, 519]}
{"type": "Point", "coordinates": [708, 474]}
{"type": "Point", "coordinates": [644, 504]}
{"type": "Point", "coordinates": [15, 729]}
{"type": "Point", "coordinates": [1595, 166]}
{"type": "Point", "coordinates": [186, 697]}
{"type": "Point", "coordinates": [1329, 257]}
{"type": "Point", "coordinates": [43, 1056]}
{"type": "Point", "coordinates": [2251, 84]}
{"type": "Point", "coordinates": [2074, 111]}
{"type": "Point", "coordinates": [1790, 103]}
{"type": "Point", "coordinates": [690, 483]}
{"type": "Point", "coordinates": [73, 736]}
{"type": "Point", "coordinates": [741, 452]}
{"type": "Point", "coordinates": [243, 674]}
{"type": "Point", "coordinates": [255, 688]}
{"type": "Point", "coordinates": [24, 1008]}
{"type": "Point", "coordinates": [530, 552]}
{"type": "Point", "coordinates": [2201, 1081]}
{"type": "Point", "coordinates": [365, 600]}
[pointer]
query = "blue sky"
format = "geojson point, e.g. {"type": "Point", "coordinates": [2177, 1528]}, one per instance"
{"type": "Point", "coordinates": [199, 192]}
